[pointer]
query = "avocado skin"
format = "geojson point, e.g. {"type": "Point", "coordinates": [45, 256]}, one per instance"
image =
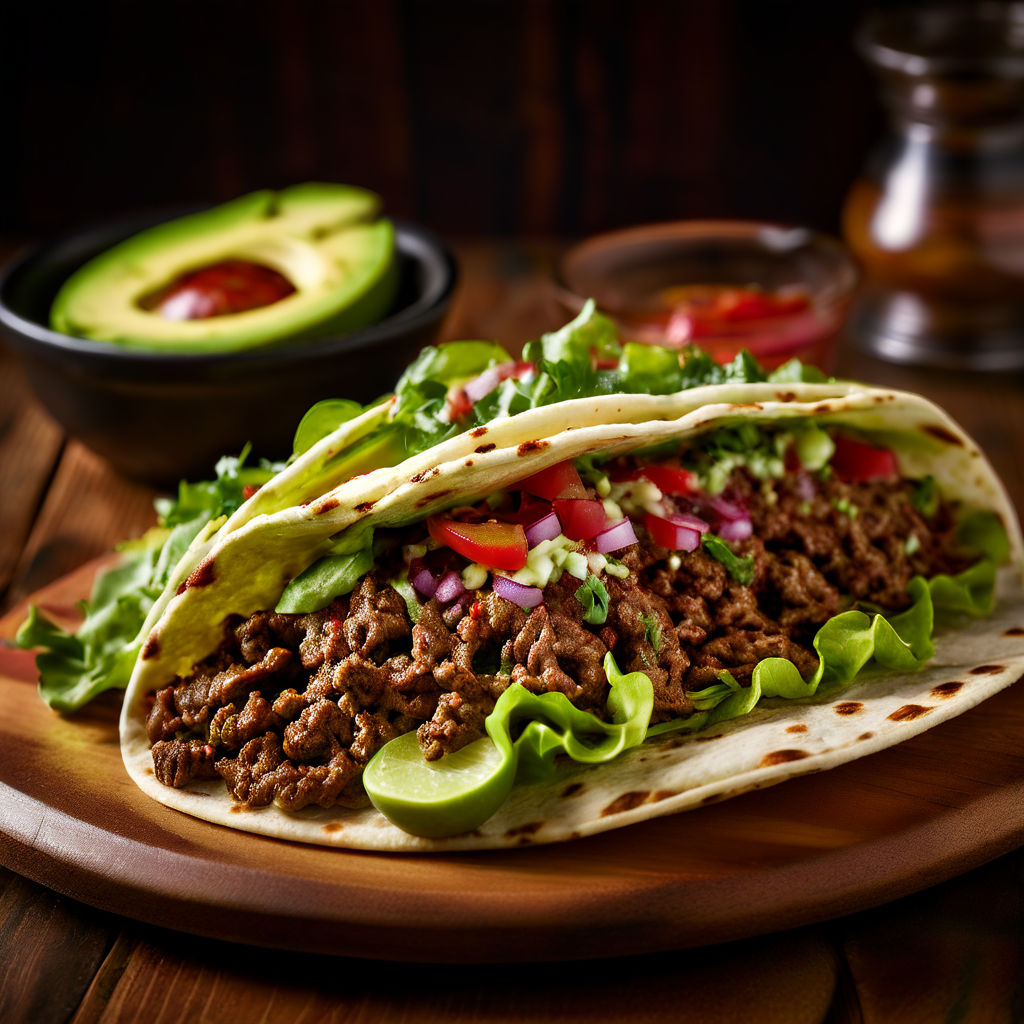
{"type": "Point", "coordinates": [327, 239]}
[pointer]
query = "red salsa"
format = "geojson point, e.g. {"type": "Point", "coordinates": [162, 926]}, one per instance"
{"type": "Point", "coordinates": [724, 319]}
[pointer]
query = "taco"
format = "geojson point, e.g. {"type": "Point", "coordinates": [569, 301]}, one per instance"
{"type": "Point", "coordinates": [528, 631]}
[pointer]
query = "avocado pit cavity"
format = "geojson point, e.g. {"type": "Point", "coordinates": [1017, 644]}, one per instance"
{"type": "Point", "coordinates": [230, 286]}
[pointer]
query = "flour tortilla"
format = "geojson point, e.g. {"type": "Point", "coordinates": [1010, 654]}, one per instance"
{"type": "Point", "coordinates": [245, 569]}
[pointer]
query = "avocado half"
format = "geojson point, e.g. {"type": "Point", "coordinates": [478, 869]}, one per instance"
{"type": "Point", "coordinates": [327, 240]}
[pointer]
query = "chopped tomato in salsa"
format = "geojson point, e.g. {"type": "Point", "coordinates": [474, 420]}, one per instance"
{"type": "Point", "coordinates": [704, 311]}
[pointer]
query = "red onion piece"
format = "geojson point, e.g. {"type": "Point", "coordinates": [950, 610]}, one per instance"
{"type": "Point", "coordinates": [546, 528]}
{"type": "Point", "coordinates": [735, 529]}
{"type": "Point", "coordinates": [487, 381]}
{"type": "Point", "coordinates": [690, 520]}
{"type": "Point", "coordinates": [483, 385]}
{"type": "Point", "coordinates": [804, 487]}
{"type": "Point", "coordinates": [621, 535]}
{"type": "Point", "coordinates": [425, 583]}
{"type": "Point", "coordinates": [525, 597]}
{"type": "Point", "coordinates": [671, 532]}
{"type": "Point", "coordinates": [688, 540]}
{"type": "Point", "coordinates": [727, 509]}
{"type": "Point", "coordinates": [449, 587]}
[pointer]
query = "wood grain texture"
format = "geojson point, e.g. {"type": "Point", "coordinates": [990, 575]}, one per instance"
{"type": "Point", "coordinates": [87, 509]}
{"type": "Point", "coordinates": [934, 957]}
{"type": "Point", "coordinates": [811, 849]}
{"type": "Point", "coordinates": [30, 445]}
{"type": "Point", "coordinates": [953, 952]}
{"type": "Point", "coordinates": [177, 978]}
{"type": "Point", "coordinates": [52, 949]}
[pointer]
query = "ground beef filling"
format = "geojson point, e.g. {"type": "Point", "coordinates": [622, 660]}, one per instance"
{"type": "Point", "coordinates": [291, 707]}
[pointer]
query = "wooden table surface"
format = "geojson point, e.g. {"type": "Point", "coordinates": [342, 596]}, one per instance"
{"type": "Point", "coordinates": [954, 952]}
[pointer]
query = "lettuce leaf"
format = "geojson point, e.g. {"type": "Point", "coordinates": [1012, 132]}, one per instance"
{"type": "Point", "coordinates": [332, 576]}
{"type": "Point", "coordinates": [548, 724]}
{"type": "Point", "coordinates": [846, 644]}
{"type": "Point", "coordinates": [76, 667]}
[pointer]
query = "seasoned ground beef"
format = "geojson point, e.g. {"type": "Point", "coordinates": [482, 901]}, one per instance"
{"type": "Point", "coordinates": [291, 707]}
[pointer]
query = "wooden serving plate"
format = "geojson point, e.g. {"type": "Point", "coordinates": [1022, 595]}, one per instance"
{"type": "Point", "coordinates": [813, 848]}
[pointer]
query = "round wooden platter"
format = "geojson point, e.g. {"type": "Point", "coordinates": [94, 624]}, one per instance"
{"type": "Point", "coordinates": [813, 848]}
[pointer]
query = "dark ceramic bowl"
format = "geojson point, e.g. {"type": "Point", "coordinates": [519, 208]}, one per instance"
{"type": "Point", "coordinates": [160, 417]}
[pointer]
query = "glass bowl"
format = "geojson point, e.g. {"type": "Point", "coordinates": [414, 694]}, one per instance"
{"type": "Point", "coordinates": [781, 292]}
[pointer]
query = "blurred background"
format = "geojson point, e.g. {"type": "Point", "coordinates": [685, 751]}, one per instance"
{"type": "Point", "coordinates": [472, 117]}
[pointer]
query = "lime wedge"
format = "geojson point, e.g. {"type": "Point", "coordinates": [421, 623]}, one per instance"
{"type": "Point", "coordinates": [439, 798]}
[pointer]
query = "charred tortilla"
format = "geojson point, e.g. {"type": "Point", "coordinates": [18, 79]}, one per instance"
{"type": "Point", "coordinates": [242, 574]}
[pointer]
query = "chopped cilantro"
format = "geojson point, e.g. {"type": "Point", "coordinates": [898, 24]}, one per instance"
{"type": "Point", "coordinates": [740, 569]}
{"type": "Point", "coordinates": [844, 506]}
{"type": "Point", "coordinates": [652, 631]}
{"type": "Point", "coordinates": [594, 598]}
{"type": "Point", "coordinates": [925, 497]}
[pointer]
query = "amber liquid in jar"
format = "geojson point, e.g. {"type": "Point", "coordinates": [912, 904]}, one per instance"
{"type": "Point", "coordinates": [937, 220]}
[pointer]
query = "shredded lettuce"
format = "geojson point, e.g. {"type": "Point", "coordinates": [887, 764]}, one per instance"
{"type": "Point", "coordinates": [405, 590]}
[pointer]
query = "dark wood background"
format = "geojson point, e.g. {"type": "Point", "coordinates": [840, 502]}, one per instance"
{"type": "Point", "coordinates": [474, 117]}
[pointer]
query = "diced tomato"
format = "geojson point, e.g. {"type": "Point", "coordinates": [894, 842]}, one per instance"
{"type": "Point", "coordinates": [671, 479]}
{"type": "Point", "coordinates": [672, 532]}
{"type": "Point", "coordinates": [514, 369]}
{"type": "Point", "coordinates": [459, 405]}
{"type": "Point", "coordinates": [618, 474]}
{"type": "Point", "coordinates": [476, 609]}
{"type": "Point", "coordinates": [531, 508]}
{"type": "Point", "coordinates": [496, 545]}
{"type": "Point", "coordinates": [581, 518]}
{"type": "Point", "coordinates": [744, 304]}
{"type": "Point", "coordinates": [248, 490]}
{"type": "Point", "coordinates": [857, 461]}
{"type": "Point", "coordinates": [558, 481]}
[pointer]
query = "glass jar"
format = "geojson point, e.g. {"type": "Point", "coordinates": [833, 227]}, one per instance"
{"type": "Point", "coordinates": [937, 220]}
